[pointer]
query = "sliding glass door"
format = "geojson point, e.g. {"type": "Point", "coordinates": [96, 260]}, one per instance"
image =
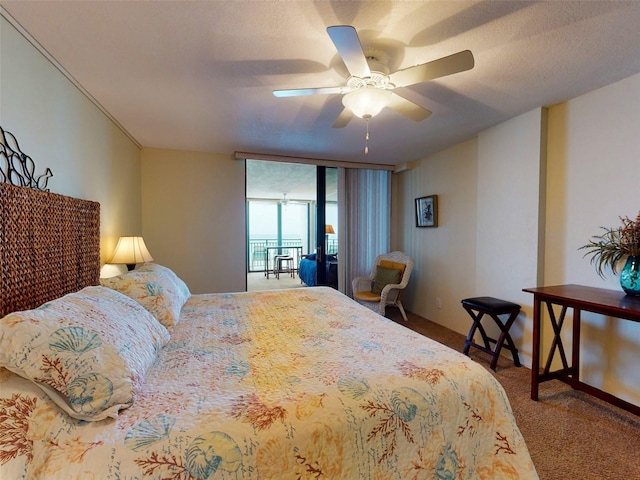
{"type": "Point", "coordinates": [292, 209]}
{"type": "Point", "coordinates": [272, 223]}
{"type": "Point", "coordinates": [327, 226]}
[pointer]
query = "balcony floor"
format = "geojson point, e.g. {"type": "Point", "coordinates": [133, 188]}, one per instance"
{"type": "Point", "coordinates": [258, 281]}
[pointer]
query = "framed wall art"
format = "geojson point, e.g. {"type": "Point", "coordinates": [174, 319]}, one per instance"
{"type": "Point", "coordinates": [427, 211]}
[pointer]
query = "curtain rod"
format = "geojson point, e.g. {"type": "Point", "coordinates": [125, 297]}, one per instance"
{"type": "Point", "coordinates": [312, 161]}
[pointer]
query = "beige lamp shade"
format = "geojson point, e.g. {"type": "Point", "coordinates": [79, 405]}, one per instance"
{"type": "Point", "coordinates": [131, 250]}
{"type": "Point", "coordinates": [328, 229]}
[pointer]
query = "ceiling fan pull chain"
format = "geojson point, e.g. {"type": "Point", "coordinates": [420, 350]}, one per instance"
{"type": "Point", "coordinates": [366, 140]}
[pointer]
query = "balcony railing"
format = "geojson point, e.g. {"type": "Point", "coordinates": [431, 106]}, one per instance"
{"type": "Point", "coordinates": [332, 246]}
{"type": "Point", "coordinates": [258, 250]}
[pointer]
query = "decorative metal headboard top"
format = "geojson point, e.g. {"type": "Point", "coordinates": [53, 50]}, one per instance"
{"type": "Point", "coordinates": [16, 167]}
{"type": "Point", "coordinates": [49, 246]}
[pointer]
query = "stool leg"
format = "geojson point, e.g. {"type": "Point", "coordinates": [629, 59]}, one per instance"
{"type": "Point", "coordinates": [514, 351]}
{"type": "Point", "coordinates": [509, 341]}
{"type": "Point", "coordinates": [477, 318]}
{"type": "Point", "coordinates": [472, 331]}
{"type": "Point", "coordinates": [485, 337]}
{"type": "Point", "coordinates": [504, 335]}
{"type": "Point", "coordinates": [496, 352]}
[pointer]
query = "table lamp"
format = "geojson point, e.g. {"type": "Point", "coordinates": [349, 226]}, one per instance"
{"type": "Point", "coordinates": [130, 251]}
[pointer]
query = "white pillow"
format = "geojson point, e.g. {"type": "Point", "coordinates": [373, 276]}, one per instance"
{"type": "Point", "coordinates": [88, 351]}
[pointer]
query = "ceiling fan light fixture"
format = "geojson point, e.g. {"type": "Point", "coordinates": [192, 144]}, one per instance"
{"type": "Point", "coordinates": [367, 102]}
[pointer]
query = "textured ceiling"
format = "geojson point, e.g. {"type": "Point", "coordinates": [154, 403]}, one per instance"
{"type": "Point", "coordinates": [274, 180]}
{"type": "Point", "coordinates": [199, 75]}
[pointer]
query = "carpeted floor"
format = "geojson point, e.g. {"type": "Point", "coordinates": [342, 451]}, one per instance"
{"type": "Point", "coordinates": [570, 434]}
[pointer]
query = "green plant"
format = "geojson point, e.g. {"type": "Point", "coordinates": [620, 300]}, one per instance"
{"type": "Point", "coordinates": [613, 245]}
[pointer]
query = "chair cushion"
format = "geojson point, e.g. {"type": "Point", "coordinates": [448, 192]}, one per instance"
{"type": "Point", "coordinates": [367, 296]}
{"type": "Point", "coordinates": [384, 277]}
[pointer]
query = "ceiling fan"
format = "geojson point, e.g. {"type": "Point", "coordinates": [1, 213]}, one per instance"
{"type": "Point", "coordinates": [369, 87]}
{"type": "Point", "coordinates": [285, 201]}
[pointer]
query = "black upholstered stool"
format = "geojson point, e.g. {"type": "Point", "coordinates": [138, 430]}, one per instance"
{"type": "Point", "coordinates": [479, 306]}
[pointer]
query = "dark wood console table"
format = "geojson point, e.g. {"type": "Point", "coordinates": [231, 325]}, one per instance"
{"type": "Point", "coordinates": [577, 297]}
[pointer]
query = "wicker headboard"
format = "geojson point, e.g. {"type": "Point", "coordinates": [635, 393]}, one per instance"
{"type": "Point", "coordinates": [49, 246]}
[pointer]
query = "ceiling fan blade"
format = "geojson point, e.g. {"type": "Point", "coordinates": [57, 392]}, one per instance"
{"type": "Point", "coordinates": [408, 108]}
{"type": "Point", "coordinates": [458, 62]}
{"type": "Point", "coordinates": [343, 119]}
{"type": "Point", "coordinates": [297, 92]}
{"type": "Point", "coordinates": [346, 40]}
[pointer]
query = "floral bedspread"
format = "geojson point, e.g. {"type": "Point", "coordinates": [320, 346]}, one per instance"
{"type": "Point", "coordinates": [294, 384]}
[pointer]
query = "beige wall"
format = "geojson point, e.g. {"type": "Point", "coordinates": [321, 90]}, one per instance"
{"type": "Point", "coordinates": [488, 207]}
{"type": "Point", "coordinates": [593, 175]}
{"type": "Point", "coordinates": [60, 128]}
{"type": "Point", "coordinates": [193, 210]}
{"type": "Point", "coordinates": [445, 257]}
{"type": "Point", "coordinates": [511, 159]}
{"type": "Point", "coordinates": [525, 230]}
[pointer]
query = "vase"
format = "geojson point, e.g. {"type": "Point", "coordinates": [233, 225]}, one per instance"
{"type": "Point", "coordinates": [630, 276]}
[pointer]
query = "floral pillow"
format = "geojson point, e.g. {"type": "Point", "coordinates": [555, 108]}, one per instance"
{"type": "Point", "coordinates": [166, 272]}
{"type": "Point", "coordinates": [89, 351]}
{"type": "Point", "coordinates": [156, 288]}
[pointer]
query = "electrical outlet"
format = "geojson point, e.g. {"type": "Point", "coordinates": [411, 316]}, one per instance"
{"type": "Point", "coordinates": [438, 303]}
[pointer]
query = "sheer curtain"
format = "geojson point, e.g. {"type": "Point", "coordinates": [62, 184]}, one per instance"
{"type": "Point", "coordinates": [364, 213]}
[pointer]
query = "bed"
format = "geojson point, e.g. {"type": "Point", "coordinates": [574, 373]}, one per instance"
{"type": "Point", "coordinates": [308, 266]}
{"type": "Point", "coordinates": [293, 384]}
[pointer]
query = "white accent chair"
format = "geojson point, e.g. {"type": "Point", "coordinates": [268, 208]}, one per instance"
{"type": "Point", "coordinates": [366, 293]}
